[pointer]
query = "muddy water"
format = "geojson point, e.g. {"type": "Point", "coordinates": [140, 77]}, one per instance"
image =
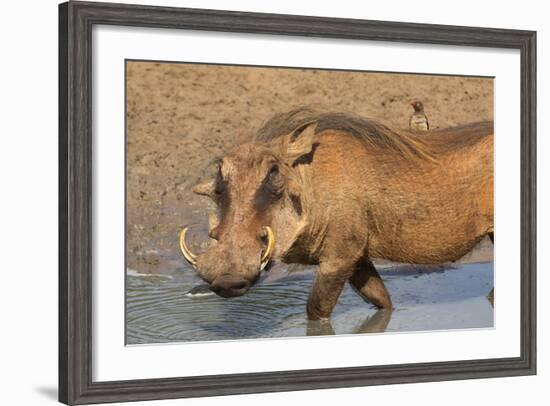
{"type": "Point", "coordinates": [161, 308]}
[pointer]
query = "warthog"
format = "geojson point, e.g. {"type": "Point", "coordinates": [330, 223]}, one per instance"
{"type": "Point", "coordinates": [338, 190]}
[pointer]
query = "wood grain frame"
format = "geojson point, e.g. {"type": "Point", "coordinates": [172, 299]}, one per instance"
{"type": "Point", "coordinates": [76, 20]}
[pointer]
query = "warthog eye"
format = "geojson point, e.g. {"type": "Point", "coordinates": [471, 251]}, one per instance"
{"type": "Point", "coordinates": [271, 188]}
{"type": "Point", "coordinates": [273, 181]}
{"type": "Point", "coordinates": [218, 189]}
{"type": "Point", "coordinates": [221, 197]}
{"type": "Point", "coordinates": [272, 174]}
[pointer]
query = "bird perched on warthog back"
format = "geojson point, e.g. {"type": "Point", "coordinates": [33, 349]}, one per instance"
{"type": "Point", "coordinates": [418, 120]}
{"type": "Point", "coordinates": [338, 190]}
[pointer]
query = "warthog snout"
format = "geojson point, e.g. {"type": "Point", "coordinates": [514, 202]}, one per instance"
{"type": "Point", "coordinates": [233, 266]}
{"type": "Point", "coordinates": [229, 286]}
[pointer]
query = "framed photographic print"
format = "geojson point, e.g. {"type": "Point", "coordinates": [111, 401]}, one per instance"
{"type": "Point", "coordinates": [256, 202]}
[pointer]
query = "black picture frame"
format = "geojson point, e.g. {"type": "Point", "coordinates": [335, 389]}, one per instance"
{"type": "Point", "coordinates": [76, 20]}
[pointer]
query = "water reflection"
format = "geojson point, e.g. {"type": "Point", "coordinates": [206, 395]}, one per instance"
{"type": "Point", "coordinates": [180, 308]}
{"type": "Point", "coordinates": [376, 323]}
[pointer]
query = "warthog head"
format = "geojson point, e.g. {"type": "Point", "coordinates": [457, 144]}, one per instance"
{"type": "Point", "coordinates": [260, 194]}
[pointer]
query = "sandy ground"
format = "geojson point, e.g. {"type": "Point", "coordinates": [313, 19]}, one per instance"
{"type": "Point", "coordinates": [181, 116]}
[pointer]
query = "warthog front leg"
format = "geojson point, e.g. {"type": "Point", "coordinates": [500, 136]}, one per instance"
{"type": "Point", "coordinates": [367, 282]}
{"type": "Point", "coordinates": [327, 286]}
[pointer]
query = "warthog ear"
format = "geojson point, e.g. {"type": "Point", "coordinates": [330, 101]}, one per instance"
{"type": "Point", "coordinates": [205, 189]}
{"type": "Point", "coordinates": [301, 145]}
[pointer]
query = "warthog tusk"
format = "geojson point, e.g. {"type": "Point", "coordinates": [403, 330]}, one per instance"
{"type": "Point", "coordinates": [270, 246]}
{"type": "Point", "coordinates": [189, 256]}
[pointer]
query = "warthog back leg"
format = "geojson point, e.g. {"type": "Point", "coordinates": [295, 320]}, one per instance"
{"type": "Point", "coordinates": [367, 282]}
{"type": "Point", "coordinates": [491, 297]}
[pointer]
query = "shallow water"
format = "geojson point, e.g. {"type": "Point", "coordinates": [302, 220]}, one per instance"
{"type": "Point", "coordinates": [160, 309]}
